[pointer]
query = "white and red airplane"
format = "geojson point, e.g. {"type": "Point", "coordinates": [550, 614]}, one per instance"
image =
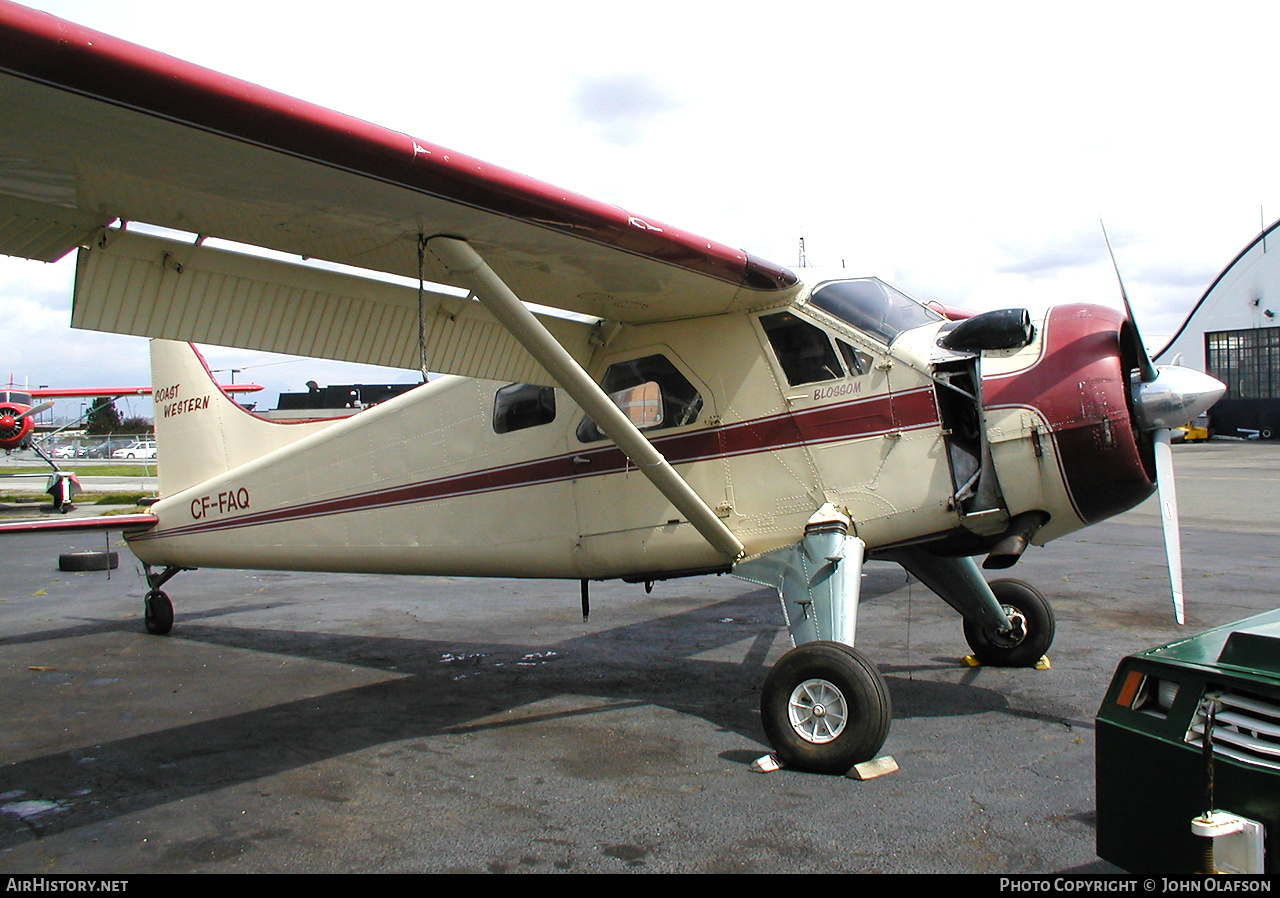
{"type": "Point", "coordinates": [697, 409]}
{"type": "Point", "coordinates": [18, 411]}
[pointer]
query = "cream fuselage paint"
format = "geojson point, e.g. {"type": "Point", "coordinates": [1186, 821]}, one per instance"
{"type": "Point", "coordinates": [424, 484]}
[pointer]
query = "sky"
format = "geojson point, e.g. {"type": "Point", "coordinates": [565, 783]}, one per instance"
{"type": "Point", "coordinates": [965, 152]}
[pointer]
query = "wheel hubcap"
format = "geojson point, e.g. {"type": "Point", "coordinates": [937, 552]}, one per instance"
{"type": "Point", "coordinates": [817, 711]}
{"type": "Point", "coordinates": [1017, 631]}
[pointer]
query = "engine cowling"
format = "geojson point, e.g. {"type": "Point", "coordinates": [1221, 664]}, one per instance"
{"type": "Point", "coordinates": [15, 426]}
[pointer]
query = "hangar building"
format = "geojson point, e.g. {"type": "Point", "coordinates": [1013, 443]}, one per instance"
{"type": "Point", "coordinates": [1233, 333]}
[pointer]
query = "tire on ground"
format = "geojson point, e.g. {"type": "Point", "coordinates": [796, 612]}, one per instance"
{"type": "Point", "coordinates": [89, 561]}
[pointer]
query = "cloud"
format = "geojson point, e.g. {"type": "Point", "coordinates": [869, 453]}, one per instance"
{"type": "Point", "coordinates": [621, 106]}
{"type": "Point", "coordinates": [1053, 255]}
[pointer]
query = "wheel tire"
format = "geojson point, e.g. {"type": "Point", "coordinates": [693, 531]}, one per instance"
{"type": "Point", "coordinates": [88, 561]}
{"type": "Point", "coordinates": [158, 613]}
{"type": "Point", "coordinates": [1024, 602]}
{"type": "Point", "coordinates": [825, 708]}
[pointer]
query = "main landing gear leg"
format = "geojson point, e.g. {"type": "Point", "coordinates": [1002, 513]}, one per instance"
{"type": "Point", "coordinates": [1007, 623]}
{"type": "Point", "coordinates": [157, 609]}
{"type": "Point", "coordinates": [824, 706]}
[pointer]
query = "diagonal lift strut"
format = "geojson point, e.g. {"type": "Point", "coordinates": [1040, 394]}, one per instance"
{"type": "Point", "coordinates": [467, 264]}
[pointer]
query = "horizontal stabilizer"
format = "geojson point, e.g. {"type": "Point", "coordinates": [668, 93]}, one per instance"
{"type": "Point", "coordinates": [126, 522]}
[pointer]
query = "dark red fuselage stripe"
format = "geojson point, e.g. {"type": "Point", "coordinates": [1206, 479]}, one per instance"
{"type": "Point", "coordinates": [850, 420]}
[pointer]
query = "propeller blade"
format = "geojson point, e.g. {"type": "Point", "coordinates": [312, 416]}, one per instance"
{"type": "Point", "coordinates": [35, 410]}
{"type": "Point", "coordinates": [1138, 349]}
{"type": "Point", "coordinates": [1163, 400]}
{"type": "Point", "coordinates": [1168, 498]}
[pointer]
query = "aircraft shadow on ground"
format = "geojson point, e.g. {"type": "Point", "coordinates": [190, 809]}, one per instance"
{"type": "Point", "coordinates": [439, 688]}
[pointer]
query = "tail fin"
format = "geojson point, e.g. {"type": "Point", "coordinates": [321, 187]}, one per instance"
{"type": "Point", "coordinates": [200, 431]}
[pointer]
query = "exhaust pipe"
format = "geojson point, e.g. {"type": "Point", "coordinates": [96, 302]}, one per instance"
{"type": "Point", "coordinates": [1014, 541]}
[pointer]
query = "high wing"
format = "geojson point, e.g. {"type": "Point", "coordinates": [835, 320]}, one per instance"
{"type": "Point", "coordinates": [98, 130]}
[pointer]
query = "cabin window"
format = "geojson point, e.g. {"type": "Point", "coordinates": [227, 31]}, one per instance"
{"type": "Point", "coordinates": [804, 351]}
{"type": "Point", "coordinates": [518, 406]}
{"type": "Point", "coordinates": [651, 392]}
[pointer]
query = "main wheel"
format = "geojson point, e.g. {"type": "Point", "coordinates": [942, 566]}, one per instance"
{"type": "Point", "coordinates": [825, 708]}
{"type": "Point", "coordinates": [159, 613]}
{"type": "Point", "coordinates": [1032, 632]}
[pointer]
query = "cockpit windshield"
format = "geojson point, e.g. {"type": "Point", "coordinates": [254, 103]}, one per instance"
{"type": "Point", "coordinates": [871, 305]}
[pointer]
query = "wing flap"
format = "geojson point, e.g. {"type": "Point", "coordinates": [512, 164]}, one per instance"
{"type": "Point", "coordinates": [149, 286]}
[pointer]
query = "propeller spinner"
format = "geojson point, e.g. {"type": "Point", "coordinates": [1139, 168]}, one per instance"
{"type": "Point", "coordinates": [1164, 398]}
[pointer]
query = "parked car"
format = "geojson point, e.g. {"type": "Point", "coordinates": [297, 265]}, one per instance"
{"type": "Point", "coordinates": [66, 450]}
{"type": "Point", "coordinates": [106, 449]}
{"type": "Point", "coordinates": [143, 449]}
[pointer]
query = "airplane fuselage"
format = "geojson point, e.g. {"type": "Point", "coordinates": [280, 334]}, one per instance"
{"type": "Point", "coordinates": [767, 415]}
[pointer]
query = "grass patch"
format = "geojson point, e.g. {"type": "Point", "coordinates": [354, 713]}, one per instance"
{"type": "Point", "coordinates": [130, 499]}
{"type": "Point", "coordinates": [111, 498]}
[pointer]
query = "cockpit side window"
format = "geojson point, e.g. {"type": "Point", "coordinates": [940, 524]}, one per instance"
{"type": "Point", "coordinates": [652, 393]}
{"type": "Point", "coordinates": [517, 406]}
{"type": "Point", "coordinates": [803, 350]}
{"type": "Point", "coordinates": [857, 361]}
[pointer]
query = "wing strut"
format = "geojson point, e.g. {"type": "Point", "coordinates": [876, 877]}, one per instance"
{"type": "Point", "coordinates": [462, 259]}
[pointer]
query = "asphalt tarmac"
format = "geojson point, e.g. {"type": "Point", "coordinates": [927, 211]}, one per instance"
{"type": "Point", "coordinates": [326, 723]}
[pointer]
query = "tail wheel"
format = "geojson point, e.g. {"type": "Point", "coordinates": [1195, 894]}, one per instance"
{"type": "Point", "coordinates": [825, 708]}
{"type": "Point", "coordinates": [1029, 638]}
{"type": "Point", "coordinates": [159, 613]}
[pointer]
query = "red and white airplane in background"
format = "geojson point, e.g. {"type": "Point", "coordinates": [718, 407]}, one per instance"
{"type": "Point", "coordinates": [19, 408]}
{"type": "Point", "coordinates": [696, 410]}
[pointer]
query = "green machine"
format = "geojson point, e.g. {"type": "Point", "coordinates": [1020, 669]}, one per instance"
{"type": "Point", "coordinates": [1168, 799]}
